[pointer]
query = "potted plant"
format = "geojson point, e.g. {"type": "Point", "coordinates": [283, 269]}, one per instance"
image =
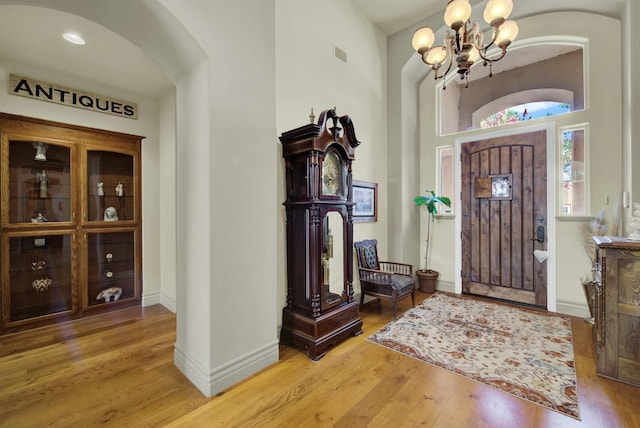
{"type": "Point", "coordinates": [428, 277]}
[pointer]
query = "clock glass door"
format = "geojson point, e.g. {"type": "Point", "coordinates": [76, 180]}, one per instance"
{"type": "Point", "coordinates": [333, 259]}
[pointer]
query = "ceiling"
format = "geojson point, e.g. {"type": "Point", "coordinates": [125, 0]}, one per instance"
{"type": "Point", "coordinates": [392, 16]}
{"type": "Point", "coordinates": [32, 36]}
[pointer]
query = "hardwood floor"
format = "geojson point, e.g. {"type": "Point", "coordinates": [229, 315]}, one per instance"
{"type": "Point", "coordinates": [117, 370]}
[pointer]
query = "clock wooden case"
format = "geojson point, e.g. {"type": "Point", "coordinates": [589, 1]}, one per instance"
{"type": "Point", "coordinates": [321, 309]}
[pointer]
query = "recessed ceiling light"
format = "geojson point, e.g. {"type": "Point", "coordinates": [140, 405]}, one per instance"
{"type": "Point", "coordinates": [74, 38]}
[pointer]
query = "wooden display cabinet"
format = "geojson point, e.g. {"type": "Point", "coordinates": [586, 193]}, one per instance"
{"type": "Point", "coordinates": [70, 221]}
{"type": "Point", "coordinates": [616, 330]}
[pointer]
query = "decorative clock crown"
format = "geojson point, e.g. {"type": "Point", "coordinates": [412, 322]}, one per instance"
{"type": "Point", "coordinates": [321, 134]}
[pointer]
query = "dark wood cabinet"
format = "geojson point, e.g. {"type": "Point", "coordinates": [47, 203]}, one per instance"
{"type": "Point", "coordinates": [616, 331]}
{"type": "Point", "coordinates": [70, 221]}
{"type": "Point", "coordinates": [321, 309]}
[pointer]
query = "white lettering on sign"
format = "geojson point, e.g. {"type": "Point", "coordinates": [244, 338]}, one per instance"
{"type": "Point", "coordinates": [25, 87]}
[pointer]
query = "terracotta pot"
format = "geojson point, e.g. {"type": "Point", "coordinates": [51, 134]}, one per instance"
{"type": "Point", "coordinates": [427, 280]}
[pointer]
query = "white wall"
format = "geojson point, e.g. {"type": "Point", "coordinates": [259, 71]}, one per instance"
{"type": "Point", "coordinates": [226, 202]}
{"type": "Point", "coordinates": [631, 100]}
{"type": "Point", "coordinates": [168, 206]}
{"type": "Point", "coordinates": [309, 75]}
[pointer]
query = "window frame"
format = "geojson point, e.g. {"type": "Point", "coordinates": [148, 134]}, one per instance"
{"type": "Point", "coordinates": [560, 172]}
{"type": "Point", "coordinates": [446, 211]}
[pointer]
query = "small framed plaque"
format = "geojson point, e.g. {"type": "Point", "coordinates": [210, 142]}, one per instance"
{"type": "Point", "coordinates": [501, 186]}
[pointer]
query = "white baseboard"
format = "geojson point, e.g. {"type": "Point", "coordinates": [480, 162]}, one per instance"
{"type": "Point", "coordinates": [149, 299]}
{"type": "Point", "coordinates": [211, 382]}
{"type": "Point", "coordinates": [168, 303]}
{"type": "Point", "coordinates": [572, 308]}
{"type": "Point", "coordinates": [446, 286]}
{"type": "Point", "coordinates": [156, 298]}
{"type": "Point", "coordinates": [562, 306]}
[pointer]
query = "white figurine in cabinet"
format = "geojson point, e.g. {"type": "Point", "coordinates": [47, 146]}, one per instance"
{"type": "Point", "coordinates": [43, 178]}
{"type": "Point", "coordinates": [120, 189]}
{"type": "Point", "coordinates": [110, 294]}
{"type": "Point", "coordinates": [100, 188]}
{"type": "Point", "coordinates": [110, 214]}
{"type": "Point", "coordinates": [40, 218]}
{"type": "Point", "coordinates": [41, 151]}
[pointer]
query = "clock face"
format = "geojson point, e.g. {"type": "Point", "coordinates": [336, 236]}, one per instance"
{"type": "Point", "coordinates": [331, 174]}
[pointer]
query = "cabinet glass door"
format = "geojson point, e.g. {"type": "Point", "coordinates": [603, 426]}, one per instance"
{"type": "Point", "coordinates": [110, 186]}
{"type": "Point", "coordinates": [40, 276]}
{"type": "Point", "coordinates": [39, 182]}
{"type": "Point", "coordinates": [110, 267]}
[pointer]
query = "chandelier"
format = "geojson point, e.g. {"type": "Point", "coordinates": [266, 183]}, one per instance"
{"type": "Point", "coordinates": [465, 43]}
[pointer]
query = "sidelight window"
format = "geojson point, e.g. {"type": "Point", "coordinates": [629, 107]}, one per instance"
{"type": "Point", "coordinates": [445, 177]}
{"type": "Point", "coordinates": [573, 171]}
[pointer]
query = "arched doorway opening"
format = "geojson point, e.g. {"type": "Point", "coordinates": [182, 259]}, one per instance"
{"type": "Point", "coordinates": [165, 43]}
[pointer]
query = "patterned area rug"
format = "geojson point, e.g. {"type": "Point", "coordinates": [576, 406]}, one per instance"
{"type": "Point", "coordinates": [524, 353]}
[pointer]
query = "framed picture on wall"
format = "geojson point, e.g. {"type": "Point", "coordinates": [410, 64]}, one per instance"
{"type": "Point", "coordinates": [365, 196]}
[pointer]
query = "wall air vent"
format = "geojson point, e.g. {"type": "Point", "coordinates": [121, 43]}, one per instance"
{"type": "Point", "coordinates": [340, 54]}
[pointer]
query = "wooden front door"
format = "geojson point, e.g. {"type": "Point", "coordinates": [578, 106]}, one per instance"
{"type": "Point", "coordinates": [504, 209]}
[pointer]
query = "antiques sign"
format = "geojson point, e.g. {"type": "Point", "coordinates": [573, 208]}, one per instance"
{"type": "Point", "coordinates": [51, 92]}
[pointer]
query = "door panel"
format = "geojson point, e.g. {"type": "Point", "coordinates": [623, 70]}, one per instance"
{"type": "Point", "coordinates": [498, 229]}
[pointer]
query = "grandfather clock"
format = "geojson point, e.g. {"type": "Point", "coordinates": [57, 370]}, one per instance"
{"type": "Point", "coordinates": [321, 309]}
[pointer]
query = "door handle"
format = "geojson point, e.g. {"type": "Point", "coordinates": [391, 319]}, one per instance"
{"type": "Point", "coordinates": [539, 234]}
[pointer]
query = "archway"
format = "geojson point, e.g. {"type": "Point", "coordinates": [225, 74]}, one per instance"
{"type": "Point", "coordinates": [167, 43]}
{"type": "Point", "coordinates": [414, 115]}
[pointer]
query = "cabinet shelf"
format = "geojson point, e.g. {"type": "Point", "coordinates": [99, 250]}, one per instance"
{"type": "Point", "coordinates": [35, 312]}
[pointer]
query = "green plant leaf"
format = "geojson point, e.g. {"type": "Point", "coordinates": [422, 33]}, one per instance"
{"type": "Point", "coordinates": [430, 201]}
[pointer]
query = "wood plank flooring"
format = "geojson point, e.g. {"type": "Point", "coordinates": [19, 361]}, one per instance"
{"type": "Point", "coordinates": [117, 370]}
